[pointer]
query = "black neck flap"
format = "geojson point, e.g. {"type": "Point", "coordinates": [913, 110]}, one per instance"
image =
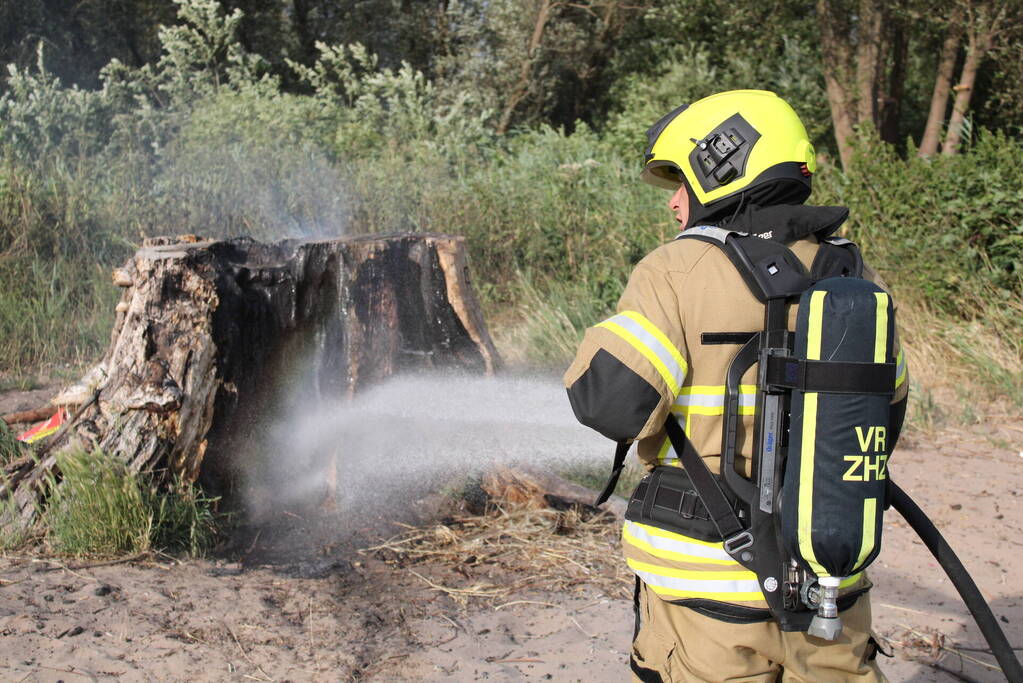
{"type": "Point", "coordinates": [787, 223]}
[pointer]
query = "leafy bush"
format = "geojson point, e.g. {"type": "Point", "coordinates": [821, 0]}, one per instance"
{"type": "Point", "coordinates": [950, 227]}
{"type": "Point", "coordinates": [249, 165]}
{"type": "Point", "coordinates": [690, 73]}
{"type": "Point", "coordinates": [100, 508]}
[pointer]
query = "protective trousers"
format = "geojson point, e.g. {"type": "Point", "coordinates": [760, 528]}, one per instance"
{"type": "Point", "coordinates": [675, 644]}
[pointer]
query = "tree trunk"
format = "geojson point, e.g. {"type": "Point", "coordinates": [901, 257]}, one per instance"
{"type": "Point", "coordinates": [983, 27]}
{"type": "Point", "coordinates": [942, 86]}
{"type": "Point", "coordinates": [836, 49]}
{"type": "Point", "coordinates": [868, 53]}
{"type": "Point", "coordinates": [304, 34]}
{"type": "Point", "coordinates": [210, 334]}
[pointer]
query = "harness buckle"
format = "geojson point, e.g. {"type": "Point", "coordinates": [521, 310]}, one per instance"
{"type": "Point", "coordinates": [738, 542]}
{"type": "Point", "coordinates": [687, 506]}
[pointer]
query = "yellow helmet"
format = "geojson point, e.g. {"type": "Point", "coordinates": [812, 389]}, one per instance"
{"type": "Point", "coordinates": [737, 144]}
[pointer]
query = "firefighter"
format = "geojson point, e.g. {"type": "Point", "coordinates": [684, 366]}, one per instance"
{"type": "Point", "coordinates": [739, 160]}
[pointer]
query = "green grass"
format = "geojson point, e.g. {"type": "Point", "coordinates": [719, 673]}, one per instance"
{"type": "Point", "coordinates": [53, 314]}
{"type": "Point", "coordinates": [11, 536]}
{"type": "Point", "coordinates": [98, 507]}
{"type": "Point", "coordinates": [10, 448]}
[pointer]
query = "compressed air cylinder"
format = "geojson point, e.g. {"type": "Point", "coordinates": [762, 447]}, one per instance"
{"type": "Point", "coordinates": [835, 472]}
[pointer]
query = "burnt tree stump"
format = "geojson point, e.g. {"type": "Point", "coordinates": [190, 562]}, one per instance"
{"type": "Point", "coordinates": [207, 332]}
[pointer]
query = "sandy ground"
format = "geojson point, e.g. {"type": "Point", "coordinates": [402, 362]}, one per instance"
{"type": "Point", "coordinates": [306, 607]}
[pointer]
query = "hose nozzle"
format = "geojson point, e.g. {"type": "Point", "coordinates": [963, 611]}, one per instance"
{"type": "Point", "coordinates": [827, 624]}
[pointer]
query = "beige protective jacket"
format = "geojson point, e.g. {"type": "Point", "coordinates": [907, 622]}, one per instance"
{"type": "Point", "coordinates": [649, 358]}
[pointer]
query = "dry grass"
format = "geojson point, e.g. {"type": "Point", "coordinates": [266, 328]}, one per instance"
{"type": "Point", "coordinates": [962, 372]}
{"type": "Point", "coordinates": [936, 649]}
{"type": "Point", "coordinates": [511, 548]}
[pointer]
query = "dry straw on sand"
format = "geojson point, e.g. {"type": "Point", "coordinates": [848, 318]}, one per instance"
{"type": "Point", "coordinates": [511, 548]}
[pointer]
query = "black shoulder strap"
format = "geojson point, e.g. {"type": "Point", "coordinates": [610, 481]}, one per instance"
{"type": "Point", "coordinates": [837, 257]}
{"type": "Point", "coordinates": [768, 268]}
{"type": "Point", "coordinates": [720, 510]}
{"type": "Point", "coordinates": [621, 450]}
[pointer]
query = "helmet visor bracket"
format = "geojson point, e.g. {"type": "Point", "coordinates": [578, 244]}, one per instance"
{"type": "Point", "coordinates": [721, 156]}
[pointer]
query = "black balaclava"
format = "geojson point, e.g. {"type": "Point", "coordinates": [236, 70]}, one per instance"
{"type": "Point", "coordinates": [766, 194]}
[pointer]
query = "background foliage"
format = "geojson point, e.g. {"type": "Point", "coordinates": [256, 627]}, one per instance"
{"type": "Point", "coordinates": [518, 123]}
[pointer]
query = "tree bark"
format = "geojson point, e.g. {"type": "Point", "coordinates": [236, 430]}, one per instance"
{"type": "Point", "coordinates": [868, 53]}
{"type": "Point", "coordinates": [863, 50]}
{"type": "Point", "coordinates": [210, 334]}
{"type": "Point", "coordinates": [983, 26]}
{"type": "Point", "coordinates": [942, 86]}
{"type": "Point", "coordinates": [836, 49]}
{"type": "Point", "coordinates": [303, 32]}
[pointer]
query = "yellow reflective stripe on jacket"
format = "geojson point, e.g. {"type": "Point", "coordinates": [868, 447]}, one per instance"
{"type": "Point", "coordinates": [655, 346]}
{"type": "Point", "coordinates": [731, 586]}
{"type": "Point", "coordinates": [706, 400]}
{"type": "Point", "coordinates": [678, 567]}
{"type": "Point", "coordinates": [668, 546]}
{"type": "Point", "coordinates": [900, 369]}
{"type": "Point", "coordinates": [710, 400]}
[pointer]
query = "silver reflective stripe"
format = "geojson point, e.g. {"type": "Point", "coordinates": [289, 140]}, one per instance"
{"type": "Point", "coordinates": [699, 585]}
{"type": "Point", "coordinates": [676, 545]}
{"type": "Point", "coordinates": [714, 232]}
{"type": "Point", "coordinates": [746, 400]}
{"type": "Point", "coordinates": [837, 240]}
{"type": "Point", "coordinates": [653, 344]}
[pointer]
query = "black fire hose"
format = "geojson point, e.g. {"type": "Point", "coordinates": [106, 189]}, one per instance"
{"type": "Point", "coordinates": [962, 581]}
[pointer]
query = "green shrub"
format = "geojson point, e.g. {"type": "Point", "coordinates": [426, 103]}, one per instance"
{"type": "Point", "coordinates": [100, 508]}
{"type": "Point", "coordinates": [949, 227]}
{"type": "Point", "coordinates": [53, 313]}
{"type": "Point", "coordinates": [550, 321]}
{"type": "Point", "coordinates": [250, 165]}
{"type": "Point", "coordinates": [690, 73]}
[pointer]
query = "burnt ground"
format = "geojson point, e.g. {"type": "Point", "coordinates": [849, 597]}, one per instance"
{"type": "Point", "coordinates": [296, 600]}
